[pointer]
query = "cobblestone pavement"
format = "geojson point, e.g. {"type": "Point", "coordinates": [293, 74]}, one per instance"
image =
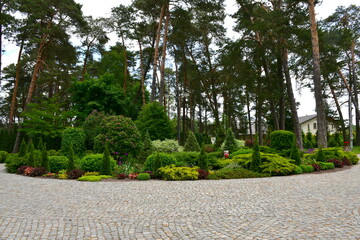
{"type": "Point", "coordinates": [311, 206]}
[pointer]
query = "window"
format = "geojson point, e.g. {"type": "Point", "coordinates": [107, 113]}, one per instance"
{"type": "Point", "coordinates": [314, 125]}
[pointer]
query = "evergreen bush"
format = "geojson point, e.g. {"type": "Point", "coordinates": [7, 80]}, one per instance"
{"type": "Point", "coordinates": [40, 144]}
{"type": "Point", "coordinates": [92, 128]}
{"type": "Point", "coordinates": [191, 144]}
{"type": "Point", "coordinates": [166, 146]}
{"type": "Point", "coordinates": [143, 176]}
{"type": "Point", "coordinates": [203, 161]}
{"type": "Point", "coordinates": [45, 159]}
{"type": "Point", "coordinates": [14, 162]}
{"type": "Point", "coordinates": [309, 142]}
{"type": "Point", "coordinates": [106, 164]}
{"type": "Point", "coordinates": [281, 139]}
{"type": "Point", "coordinates": [320, 157]}
{"type": "Point", "coordinates": [71, 162]}
{"type": "Point", "coordinates": [23, 149]}
{"type": "Point", "coordinates": [188, 159]}
{"type": "Point", "coordinates": [256, 159]}
{"type": "Point", "coordinates": [3, 156]}
{"type": "Point", "coordinates": [230, 141]}
{"type": "Point", "coordinates": [295, 154]}
{"type": "Point", "coordinates": [74, 137]}
{"type": "Point", "coordinates": [147, 148]}
{"type": "Point", "coordinates": [93, 162]}
{"type": "Point", "coordinates": [58, 163]}
{"type": "Point", "coordinates": [161, 159]}
{"type": "Point", "coordinates": [31, 155]}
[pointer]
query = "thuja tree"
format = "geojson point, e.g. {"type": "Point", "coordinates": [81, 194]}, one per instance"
{"type": "Point", "coordinates": [229, 143]}
{"type": "Point", "coordinates": [71, 164]}
{"type": "Point", "coordinates": [203, 161]}
{"type": "Point", "coordinates": [105, 164]}
{"type": "Point", "coordinates": [147, 148]}
{"type": "Point", "coordinates": [191, 144]}
{"type": "Point", "coordinates": [75, 138]}
{"type": "Point", "coordinates": [31, 157]}
{"type": "Point", "coordinates": [295, 154]}
{"type": "Point", "coordinates": [23, 149]}
{"type": "Point", "coordinates": [45, 158]}
{"type": "Point", "coordinates": [255, 158]}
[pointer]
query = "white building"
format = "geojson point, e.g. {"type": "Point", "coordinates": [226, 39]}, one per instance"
{"type": "Point", "coordinates": [309, 124]}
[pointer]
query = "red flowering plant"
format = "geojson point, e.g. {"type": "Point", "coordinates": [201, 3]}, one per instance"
{"type": "Point", "coordinates": [346, 143]}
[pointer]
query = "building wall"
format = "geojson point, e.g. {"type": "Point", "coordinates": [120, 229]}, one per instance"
{"type": "Point", "coordinates": [312, 126]}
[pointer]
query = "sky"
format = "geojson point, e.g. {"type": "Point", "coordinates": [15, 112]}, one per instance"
{"type": "Point", "coordinates": [103, 9]}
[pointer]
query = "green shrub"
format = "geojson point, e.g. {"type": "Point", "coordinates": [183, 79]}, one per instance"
{"type": "Point", "coordinates": [40, 144]}
{"type": "Point", "coordinates": [74, 137]}
{"type": "Point", "coordinates": [147, 148]}
{"type": "Point", "coordinates": [14, 161]}
{"type": "Point", "coordinates": [191, 144]}
{"type": "Point", "coordinates": [53, 152]}
{"type": "Point", "coordinates": [3, 156]}
{"type": "Point", "coordinates": [45, 159]}
{"type": "Point", "coordinates": [90, 178]}
{"type": "Point", "coordinates": [244, 160]}
{"type": "Point", "coordinates": [92, 128]}
{"type": "Point", "coordinates": [351, 156]}
{"type": "Point", "coordinates": [58, 163]}
{"type": "Point", "coordinates": [307, 168]}
{"type": "Point", "coordinates": [236, 173]}
{"type": "Point", "coordinates": [121, 134]}
{"type": "Point", "coordinates": [309, 142]}
{"type": "Point", "coordinates": [230, 142]}
{"type": "Point", "coordinates": [276, 165]}
{"type": "Point", "coordinates": [221, 163]}
{"type": "Point", "coordinates": [166, 146]}
{"type": "Point", "coordinates": [143, 176]}
{"type": "Point", "coordinates": [256, 159]}
{"type": "Point", "coordinates": [172, 173]}
{"type": "Point", "coordinates": [153, 119]}
{"type": "Point", "coordinates": [93, 162]}
{"type": "Point", "coordinates": [23, 149]}
{"type": "Point", "coordinates": [190, 159]}
{"type": "Point", "coordinates": [298, 170]}
{"type": "Point", "coordinates": [241, 151]}
{"type": "Point", "coordinates": [165, 159]}
{"type": "Point", "coordinates": [266, 149]}
{"type": "Point", "coordinates": [71, 162]}
{"type": "Point", "coordinates": [295, 154]}
{"type": "Point", "coordinates": [282, 139]}
{"type": "Point", "coordinates": [320, 156]}
{"type": "Point", "coordinates": [105, 163]}
{"type": "Point", "coordinates": [202, 160]}
{"type": "Point", "coordinates": [326, 165]}
{"type": "Point", "coordinates": [31, 155]}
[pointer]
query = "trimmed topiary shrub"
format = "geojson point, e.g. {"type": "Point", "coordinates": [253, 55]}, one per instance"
{"type": "Point", "coordinates": [307, 168]}
{"type": "Point", "coordinates": [121, 134]}
{"type": "Point", "coordinates": [166, 146]}
{"type": "Point", "coordinates": [45, 159]}
{"type": "Point", "coordinates": [191, 144]}
{"type": "Point", "coordinates": [230, 142]}
{"type": "Point", "coordinates": [172, 173]}
{"type": "Point", "coordinates": [105, 164]}
{"type": "Point", "coordinates": [93, 162]}
{"type": "Point", "coordinates": [295, 154]}
{"type": "Point", "coordinates": [147, 148]}
{"type": "Point", "coordinates": [282, 139]}
{"type": "Point", "coordinates": [92, 128]}
{"type": "Point", "coordinates": [31, 155]}
{"type": "Point", "coordinates": [154, 120]}
{"type": "Point", "coordinates": [320, 157]}
{"type": "Point", "coordinates": [14, 162]}
{"type": "Point", "coordinates": [143, 176]}
{"type": "Point", "coordinates": [255, 157]}
{"type": "Point", "coordinates": [71, 162]}
{"type": "Point", "coordinates": [203, 161]}
{"type": "Point", "coordinates": [23, 149]}
{"type": "Point", "coordinates": [58, 163]}
{"type": "Point", "coordinates": [188, 159]}
{"type": "Point", "coordinates": [74, 137]}
{"type": "Point", "coordinates": [164, 158]}
{"type": "Point", "coordinates": [298, 170]}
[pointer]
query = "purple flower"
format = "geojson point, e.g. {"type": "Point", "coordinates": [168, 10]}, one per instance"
{"type": "Point", "coordinates": [116, 153]}
{"type": "Point", "coordinates": [126, 154]}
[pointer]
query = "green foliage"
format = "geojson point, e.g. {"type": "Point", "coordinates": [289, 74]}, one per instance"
{"type": "Point", "coordinates": [220, 136]}
{"type": "Point", "coordinates": [3, 156]}
{"type": "Point", "coordinates": [295, 154]}
{"type": "Point", "coordinates": [166, 146]}
{"type": "Point", "coordinates": [90, 178]}
{"type": "Point", "coordinates": [154, 120]}
{"type": "Point", "coordinates": [23, 149]}
{"type": "Point", "coordinates": [40, 144]}
{"type": "Point", "coordinates": [93, 162]}
{"type": "Point", "coordinates": [255, 157]}
{"type": "Point", "coordinates": [222, 163]}
{"type": "Point", "coordinates": [71, 162]}
{"type": "Point", "coordinates": [282, 139]}
{"type": "Point", "coordinates": [203, 162]}
{"type": "Point", "coordinates": [45, 159]}
{"type": "Point", "coordinates": [14, 161]}
{"type": "Point", "coordinates": [121, 134]}
{"type": "Point", "coordinates": [298, 170]}
{"type": "Point", "coordinates": [320, 157]}
{"type": "Point", "coordinates": [58, 163]}
{"type": "Point", "coordinates": [236, 173]}
{"type": "Point", "coordinates": [191, 144]}
{"type": "Point", "coordinates": [309, 142]}
{"type": "Point", "coordinates": [74, 137]}
{"type": "Point", "coordinates": [326, 165]}
{"type": "Point", "coordinates": [143, 176]}
{"type": "Point", "coordinates": [307, 168]}
{"type": "Point", "coordinates": [147, 148]}
{"type": "Point", "coordinates": [31, 155]}
{"type": "Point", "coordinates": [354, 159]}
{"type": "Point", "coordinates": [242, 151]}
{"type": "Point", "coordinates": [92, 128]}
{"type": "Point", "coordinates": [152, 162]}
{"type": "Point", "coordinates": [230, 141]}
{"type": "Point", "coordinates": [189, 159]}
{"type": "Point", "coordinates": [276, 165]}
{"type": "Point", "coordinates": [172, 173]}
{"type": "Point", "coordinates": [7, 138]}
{"type": "Point", "coordinates": [106, 165]}
{"type": "Point", "coordinates": [335, 140]}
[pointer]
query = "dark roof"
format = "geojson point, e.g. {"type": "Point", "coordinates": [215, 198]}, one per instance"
{"type": "Point", "coordinates": [306, 118]}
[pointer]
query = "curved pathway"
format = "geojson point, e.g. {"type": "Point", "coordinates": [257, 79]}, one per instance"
{"type": "Point", "coordinates": [311, 206]}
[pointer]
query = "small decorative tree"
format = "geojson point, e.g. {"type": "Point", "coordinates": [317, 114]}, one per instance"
{"type": "Point", "coordinates": [320, 157]}
{"type": "Point", "coordinates": [23, 149]}
{"type": "Point", "coordinates": [74, 137]}
{"type": "Point", "coordinates": [31, 157]}
{"type": "Point", "coordinates": [147, 148]}
{"type": "Point", "coordinates": [70, 165]}
{"type": "Point", "coordinates": [106, 166]}
{"type": "Point", "coordinates": [256, 158]}
{"type": "Point", "coordinates": [157, 165]}
{"type": "Point", "coordinates": [295, 154]}
{"type": "Point", "coordinates": [229, 143]}
{"type": "Point", "coordinates": [309, 143]}
{"type": "Point", "coordinates": [191, 144]}
{"type": "Point", "coordinates": [203, 161]}
{"type": "Point", "coordinates": [45, 158]}
{"type": "Point", "coordinates": [40, 144]}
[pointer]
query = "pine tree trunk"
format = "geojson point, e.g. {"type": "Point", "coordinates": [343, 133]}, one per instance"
{"type": "Point", "coordinates": [248, 113]}
{"type": "Point", "coordinates": [142, 72]}
{"type": "Point", "coordinates": [292, 101]}
{"type": "Point", "coordinates": [16, 86]}
{"type": "Point", "coordinates": [87, 54]}
{"type": "Point", "coordinates": [126, 72]}
{"type": "Point", "coordinates": [320, 109]}
{"type": "Point", "coordinates": [163, 58]}
{"type": "Point", "coordinates": [156, 54]}
{"type": "Point", "coordinates": [282, 92]}
{"type": "Point", "coordinates": [356, 98]}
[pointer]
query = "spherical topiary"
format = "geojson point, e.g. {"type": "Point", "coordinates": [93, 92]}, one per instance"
{"type": "Point", "coordinates": [282, 139]}
{"type": "Point", "coordinates": [121, 134]}
{"type": "Point", "coordinates": [191, 144]}
{"type": "Point", "coordinates": [74, 137]}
